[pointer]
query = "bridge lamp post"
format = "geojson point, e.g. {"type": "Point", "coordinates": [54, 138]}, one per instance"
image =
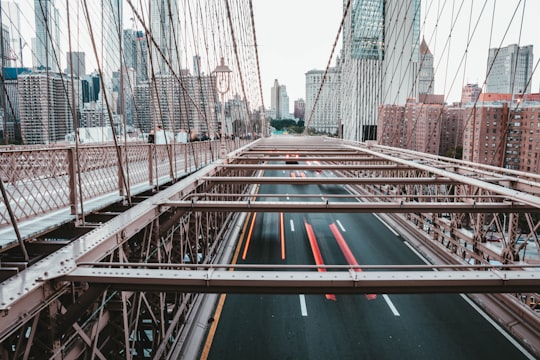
{"type": "Point", "coordinates": [223, 81]}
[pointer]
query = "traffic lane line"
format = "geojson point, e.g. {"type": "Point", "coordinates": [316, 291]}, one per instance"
{"type": "Point", "coordinates": [340, 226]}
{"type": "Point", "coordinates": [303, 306]}
{"type": "Point", "coordinates": [390, 305]}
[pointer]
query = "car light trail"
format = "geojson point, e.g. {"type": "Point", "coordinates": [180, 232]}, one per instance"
{"type": "Point", "coordinates": [317, 254]}
{"type": "Point", "coordinates": [248, 240]}
{"type": "Point", "coordinates": [347, 253]}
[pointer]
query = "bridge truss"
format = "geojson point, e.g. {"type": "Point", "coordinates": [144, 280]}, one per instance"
{"type": "Point", "coordinates": [132, 287]}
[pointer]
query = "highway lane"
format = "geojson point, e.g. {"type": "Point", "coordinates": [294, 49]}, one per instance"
{"type": "Point", "coordinates": [351, 327]}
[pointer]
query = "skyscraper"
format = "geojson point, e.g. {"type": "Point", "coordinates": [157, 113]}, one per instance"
{"type": "Point", "coordinates": [274, 100]}
{"type": "Point", "coordinates": [283, 102]}
{"type": "Point", "coordinates": [78, 59]}
{"type": "Point", "coordinates": [426, 77]}
{"type": "Point", "coordinates": [165, 32]}
{"type": "Point", "coordinates": [45, 107]}
{"type": "Point", "coordinates": [111, 20]}
{"type": "Point", "coordinates": [379, 61]}
{"type": "Point", "coordinates": [509, 69]}
{"type": "Point", "coordinates": [323, 116]}
{"type": "Point", "coordinates": [136, 54]}
{"type": "Point", "coordinates": [11, 20]}
{"type": "Point", "coordinates": [47, 41]}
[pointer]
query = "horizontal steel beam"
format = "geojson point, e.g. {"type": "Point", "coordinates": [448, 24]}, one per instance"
{"type": "Point", "coordinates": [328, 180]}
{"type": "Point", "coordinates": [347, 207]}
{"type": "Point", "coordinates": [267, 166]}
{"type": "Point", "coordinates": [356, 158]}
{"type": "Point", "coordinates": [309, 282]}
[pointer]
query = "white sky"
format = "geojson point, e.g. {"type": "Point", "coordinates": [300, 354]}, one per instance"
{"type": "Point", "coordinates": [295, 36]}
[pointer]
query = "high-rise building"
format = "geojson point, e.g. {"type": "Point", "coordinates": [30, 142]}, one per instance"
{"type": "Point", "coordinates": [165, 30]}
{"type": "Point", "coordinates": [274, 101]}
{"type": "Point", "coordinates": [485, 126]}
{"type": "Point", "coordinates": [299, 109]}
{"type": "Point", "coordinates": [78, 58]}
{"type": "Point", "coordinates": [427, 126]}
{"type": "Point", "coordinates": [279, 102]}
{"type": "Point", "coordinates": [188, 104]}
{"type": "Point", "coordinates": [45, 106]}
{"type": "Point", "coordinates": [470, 93]}
{"type": "Point", "coordinates": [11, 113]}
{"type": "Point", "coordinates": [322, 109]}
{"type": "Point", "coordinates": [136, 54]}
{"type": "Point", "coordinates": [47, 41]}
{"type": "Point", "coordinates": [11, 20]}
{"type": "Point", "coordinates": [283, 102]}
{"type": "Point", "coordinates": [379, 61]}
{"type": "Point", "coordinates": [4, 49]}
{"type": "Point", "coordinates": [142, 118]}
{"type": "Point", "coordinates": [509, 69]}
{"type": "Point", "coordinates": [91, 88]}
{"type": "Point", "coordinates": [426, 76]}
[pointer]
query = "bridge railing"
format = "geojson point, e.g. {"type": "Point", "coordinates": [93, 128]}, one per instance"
{"type": "Point", "coordinates": [41, 180]}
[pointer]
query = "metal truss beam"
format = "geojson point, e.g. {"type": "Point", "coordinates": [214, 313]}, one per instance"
{"type": "Point", "coordinates": [334, 180]}
{"type": "Point", "coordinates": [309, 282]}
{"type": "Point", "coordinates": [348, 207]}
{"type": "Point", "coordinates": [314, 167]}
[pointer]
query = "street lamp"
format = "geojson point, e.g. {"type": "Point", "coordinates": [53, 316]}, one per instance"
{"type": "Point", "coordinates": [223, 80]}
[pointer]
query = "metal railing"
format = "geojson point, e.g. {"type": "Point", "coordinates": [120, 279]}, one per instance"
{"type": "Point", "coordinates": [44, 179]}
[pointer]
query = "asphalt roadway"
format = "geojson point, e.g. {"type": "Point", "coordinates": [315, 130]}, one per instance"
{"type": "Point", "coordinates": [435, 326]}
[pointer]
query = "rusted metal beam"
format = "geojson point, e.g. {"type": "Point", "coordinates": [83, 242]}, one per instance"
{"type": "Point", "coordinates": [267, 166]}
{"type": "Point", "coordinates": [347, 207]}
{"type": "Point", "coordinates": [328, 180]}
{"type": "Point", "coordinates": [309, 282]}
{"type": "Point", "coordinates": [349, 158]}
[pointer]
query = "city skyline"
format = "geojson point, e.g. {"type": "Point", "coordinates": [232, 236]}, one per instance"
{"type": "Point", "coordinates": [316, 26]}
{"type": "Point", "coordinates": [320, 15]}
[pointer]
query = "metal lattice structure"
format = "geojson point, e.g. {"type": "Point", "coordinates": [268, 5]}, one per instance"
{"type": "Point", "coordinates": [131, 287]}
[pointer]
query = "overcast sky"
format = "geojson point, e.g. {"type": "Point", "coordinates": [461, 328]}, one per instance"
{"type": "Point", "coordinates": [295, 36]}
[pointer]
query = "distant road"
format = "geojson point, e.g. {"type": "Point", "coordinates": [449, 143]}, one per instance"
{"type": "Point", "coordinates": [438, 326]}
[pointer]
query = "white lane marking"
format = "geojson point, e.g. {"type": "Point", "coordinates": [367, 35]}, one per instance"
{"type": "Point", "coordinates": [292, 225]}
{"type": "Point", "coordinates": [385, 224]}
{"type": "Point", "coordinates": [480, 311]}
{"type": "Point", "coordinates": [340, 226]}
{"type": "Point", "coordinates": [497, 327]}
{"type": "Point", "coordinates": [390, 305]}
{"type": "Point", "coordinates": [303, 307]}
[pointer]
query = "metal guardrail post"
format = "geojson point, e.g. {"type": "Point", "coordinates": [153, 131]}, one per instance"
{"type": "Point", "coordinates": [186, 149]}
{"type": "Point", "coordinates": [121, 152]}
{"type": "Point", "coordinates": [72, 181]}
{"type": "Point", "coordinates": [151, 164]}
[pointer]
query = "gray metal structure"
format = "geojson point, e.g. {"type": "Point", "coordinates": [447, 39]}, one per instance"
{"type": "Point", "coordinates": [131, 286]}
